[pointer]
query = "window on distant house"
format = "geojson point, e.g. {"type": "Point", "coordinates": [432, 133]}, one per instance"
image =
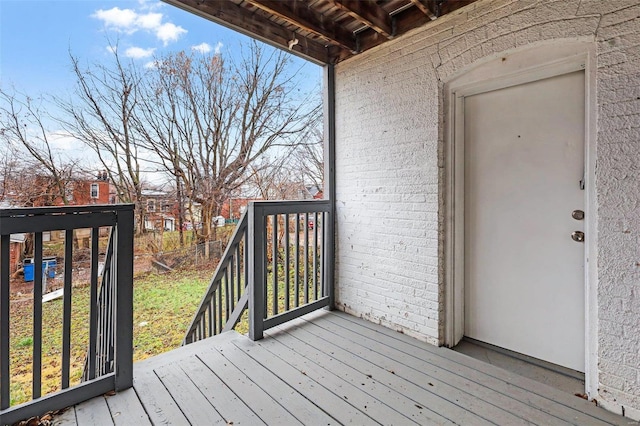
{"type": "Point", "coordinates": [94, 190]}
{"type": "Point", "coordinates": [151, 206]}
{"type": "Point", "coordinates": [166, 208]}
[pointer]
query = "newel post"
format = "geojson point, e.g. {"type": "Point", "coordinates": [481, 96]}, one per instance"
{"type": "Point", "coordinates": [124, 300]}
{"type": "Point", "coordinates": [256, 268]}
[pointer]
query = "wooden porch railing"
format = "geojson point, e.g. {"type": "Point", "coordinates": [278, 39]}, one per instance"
{"type": "Point", "coordinates": [110, 337]}
{"type": "Point", "coordinates": [277, 265]}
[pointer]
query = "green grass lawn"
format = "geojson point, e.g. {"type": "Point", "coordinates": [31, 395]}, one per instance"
{"type": "Point", "coordinates": [163, 308]}
{"type": "Point", "coordinates": [164, 305]}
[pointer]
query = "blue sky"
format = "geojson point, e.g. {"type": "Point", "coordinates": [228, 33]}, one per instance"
{"type": "Point", "coordinates": [36, 36]}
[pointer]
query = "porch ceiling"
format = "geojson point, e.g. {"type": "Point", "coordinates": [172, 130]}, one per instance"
{"type": "Point", "coordinates": [324, 31]}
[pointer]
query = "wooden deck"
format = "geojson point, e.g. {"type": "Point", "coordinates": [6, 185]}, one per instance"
{"type": "Point", "coordinates": [330, 368]}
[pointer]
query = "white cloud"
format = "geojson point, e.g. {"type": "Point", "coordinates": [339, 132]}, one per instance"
{"type": "Point", "coordinates": [202, 48]}
{"type": "Point", "coordinates": [169, 32]}
{"type": "Point", "coordinates": [151, 65]}
{"type": "Point", "coordinates": [150, 21]}
{"type": "Point", "coordinates": [129, 21]}
{"type": "Point", "coordinates": [66, 145]}
{"type": "Point", "coordinates": [138, 52]}
{"type": "Point", "coordinates": [118, 19]}
{"type": "Point", "coordinates": [206, 48]}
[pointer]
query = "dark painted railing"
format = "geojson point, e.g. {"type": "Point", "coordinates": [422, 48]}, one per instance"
{"type": "Point", "coordinates": [225, 299]}
{"type": "Point", "coordinates": [111, 305]}
{"type": "Point", "coordinates": [100, 358]}
{"type": "Point", "coordinates": [278, 265]}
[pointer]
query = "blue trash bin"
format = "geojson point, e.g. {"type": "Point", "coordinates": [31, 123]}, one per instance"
{"type": "Point", "coordinates": [28, 271]}
{"type": "Point", "coordinates": [49, 264]}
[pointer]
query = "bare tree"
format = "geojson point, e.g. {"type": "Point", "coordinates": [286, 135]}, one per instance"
{"type": "Point", "coordinates": [101, 114]}
{"type": "Point", "coordinates": [42, 176]}
{"type": "Point", "coordinates": [209, 119]}
{"type": "Point", "coordinates": [276, 179]}
{"type": "Point", "coordinates": [308, 159]}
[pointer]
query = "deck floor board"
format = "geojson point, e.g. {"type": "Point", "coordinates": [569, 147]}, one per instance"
{"type": "Point", "coordinates": [415, 367]}
{"type": "Point", "coordinates": [490, 407]}
{"type": "Point", "coordinates": [545, 398]}
{"type": "Point", "coordinates": [336, 383]}
{"type": "Point", "coordinates": [330, 368]}
{"type": "Point", "coordinates": [126, 408]}
{"type": "Point", "coordinates": [411, 401]}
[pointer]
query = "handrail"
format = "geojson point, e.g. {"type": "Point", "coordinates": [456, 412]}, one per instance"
{"type": "Point", "coordinates": [211, 318]}
{"type": "Point", "coordinates": [120, 276]}
{"type": "Point", "coordinates": [284, 251]}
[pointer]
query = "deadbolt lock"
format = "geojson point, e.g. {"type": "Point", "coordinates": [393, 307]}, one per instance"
{"type": "Point", "coordinates": [577, 236]}
{"type": "Point", "coordinates": [577, 214]}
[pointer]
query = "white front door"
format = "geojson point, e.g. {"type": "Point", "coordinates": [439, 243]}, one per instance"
{"type": "Point", "coordinates": [524, 274]}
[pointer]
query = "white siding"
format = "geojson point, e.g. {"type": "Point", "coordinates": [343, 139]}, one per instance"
{"type": "Point", "coordinates": [389, 177]}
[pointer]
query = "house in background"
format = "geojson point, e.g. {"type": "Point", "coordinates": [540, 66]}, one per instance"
{"type": "Point", "coordinates": [160, 210]}
{"type": "Point", "coordinates": [463, 145]}
{"type": "Point", "coordinates": [93, 191]}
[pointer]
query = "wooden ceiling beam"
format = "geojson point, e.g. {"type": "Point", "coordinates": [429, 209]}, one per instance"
{"type": "Point", "coordinates": [406, 21]}
{"type": "Point", "coordinates": [239, 18]}
{"type": "Point", "coordinates": [300, 15]}
{"type": "Point", "coordinates": [426, 7]}
{"type": "Point", "coordinates": [369, 13]}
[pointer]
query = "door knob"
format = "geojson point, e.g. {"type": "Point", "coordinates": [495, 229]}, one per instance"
{"type": "Point", "coordinates": [577, 214]}
{"type": "Point", "coordinates": [577, 236]}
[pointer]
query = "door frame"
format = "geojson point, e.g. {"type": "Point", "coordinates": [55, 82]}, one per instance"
{"type": "Point", "coordinates": [500, 71]}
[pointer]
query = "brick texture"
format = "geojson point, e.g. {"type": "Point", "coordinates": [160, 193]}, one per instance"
{"type": "Point", "coordinates": [389, 175]}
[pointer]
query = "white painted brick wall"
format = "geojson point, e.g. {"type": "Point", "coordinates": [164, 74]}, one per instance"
{"type": "Point", "coordinates": [389, 169]}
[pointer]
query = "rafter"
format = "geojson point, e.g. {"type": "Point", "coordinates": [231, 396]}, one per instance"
{"type": "Point", "coordinates": [369, 13]}
{"type": "Point", "coordinates": [304, 18]}
{"type": "Point", "coordinates": [426, 7]}
{"type": "Point", "coordinates": [404, 22]}
{"type": "Point", "coordinates": [238, 18]}
{"type": "Point", "coordinates": [324, 31]}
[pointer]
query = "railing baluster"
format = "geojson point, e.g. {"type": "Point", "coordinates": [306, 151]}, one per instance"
{"type": "Point", "coordinates": [274, 254]}
{"type": "Point", "coordinates": [212, 307]}
{"type": "Point", "coordinates": [245, 257]}
{"type": "Point", "coordinates": [264, 264]}
{"type": "Point", "coordinates": [287, 290]}
{"type": "Point", "coordinates": [238, 271]}
{"type": "Point", "coordinates": [93, 304]}
{"type": "Point", "coordinates": [315, 256]}
{"type": "Point", "coordinates": [66, 310]}
{"type": "Point", "coordinates": [37, 316]}
{"type": "Point", "coordinates": [5, 358]}
{"type": "Point", "coordinates": [306, 258]}
{"type": "Point", "coordinates": [296, 292]}
{"type": "Point", "coordinates": [323, 257]}
{"type": "Point", "coordinates": [231, 285]}
{"type": "Point", "coordinates": [219, 302]}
